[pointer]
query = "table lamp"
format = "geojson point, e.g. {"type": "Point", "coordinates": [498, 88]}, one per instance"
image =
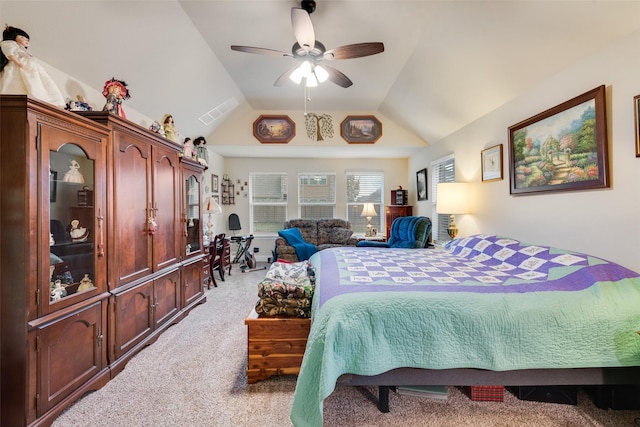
{"type": "Point", "coordinates": [369, 211]}
{"type": "Point", "coordinates": [452, 198]}
{"type": "Point", "coordinates": [211, 207]}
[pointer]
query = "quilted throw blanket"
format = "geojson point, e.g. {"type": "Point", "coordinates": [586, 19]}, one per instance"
{"type": "Point", "coordinates": [287, 289]}
{"type": "Point", "coordinates": [483, 302]}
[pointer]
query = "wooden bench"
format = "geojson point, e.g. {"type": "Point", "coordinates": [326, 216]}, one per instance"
{"type": "Point", "coordinates": [275, 345]}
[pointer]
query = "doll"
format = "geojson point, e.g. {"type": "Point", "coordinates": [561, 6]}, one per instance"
{"type": "Point", "coordinates": [20, 73]}
{"type": "Point", "coordinates": [201, 151]}
{"type": "Point", "coordinates": [170, 128]}
{"type": "Point", "coordinates": [115, 91]}
{"type": "Point", "coordinates": [188, 151]}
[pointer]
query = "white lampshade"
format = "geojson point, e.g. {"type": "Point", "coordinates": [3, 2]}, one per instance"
{"type": "Point", "coordinates": [311, 80]}
{"type": "Point", "coordinates": [211, 206]}
{"type": "Point", "coordinates": [368, 210]}
{"type": "Point", "coordinates": [321, 74]}
{"type": "Point", "coordinates": [452, 198]}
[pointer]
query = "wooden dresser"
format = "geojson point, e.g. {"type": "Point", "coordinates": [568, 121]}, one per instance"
{"type": "Point", "coordinates": [392, 212]}
{"type": "Point", "coordinates": [275, 345]}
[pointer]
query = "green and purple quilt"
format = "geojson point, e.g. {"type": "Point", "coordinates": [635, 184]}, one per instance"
{"type": "Point", "coordinates": [483, 302]}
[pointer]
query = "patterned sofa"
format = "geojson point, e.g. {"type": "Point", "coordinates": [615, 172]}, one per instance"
{"type": "Point", "coordinates": [323, 233]}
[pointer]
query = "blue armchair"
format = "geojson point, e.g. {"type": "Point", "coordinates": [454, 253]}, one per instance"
{"type": "Point", "coordinates": [406, 232]}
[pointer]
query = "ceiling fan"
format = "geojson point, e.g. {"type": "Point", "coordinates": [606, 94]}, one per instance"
{"type": "Point", "coordinates": [312, 54]}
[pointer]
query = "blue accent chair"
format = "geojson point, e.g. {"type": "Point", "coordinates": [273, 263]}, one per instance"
{"type": "Point", "coordinates": [406, 232]}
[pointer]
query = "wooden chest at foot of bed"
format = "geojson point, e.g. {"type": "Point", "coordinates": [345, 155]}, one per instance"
{"type": "Point", "coordinates": [275, 345]}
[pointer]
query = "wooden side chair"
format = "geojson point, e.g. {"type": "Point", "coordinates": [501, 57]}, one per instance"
{"type": "Point", "coordinates": [219, 257]}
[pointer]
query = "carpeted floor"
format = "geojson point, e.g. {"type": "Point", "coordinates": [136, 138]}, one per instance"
{"type": "Point", "coordinates": [194, 375]}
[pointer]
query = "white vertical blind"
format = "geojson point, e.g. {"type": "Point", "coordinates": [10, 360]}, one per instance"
{"type": "Point", "coordinates": [442, 170]}
{"type": "Point", "coordinates": [364, 187]}
{"type": "Point", "coordinates": [317, 195]}
{"type": "Point", "coordinates": [268, 200]}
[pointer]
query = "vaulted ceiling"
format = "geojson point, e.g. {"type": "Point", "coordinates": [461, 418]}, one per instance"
{"type": "Point", "coordinates": [445, 64]}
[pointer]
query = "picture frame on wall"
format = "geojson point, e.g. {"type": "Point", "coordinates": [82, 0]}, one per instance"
{"type": "Point", "coordinates": [274, 129]}
{"type": "Point", "coordinates": [361, 129]}
{"type": "Point", "coordinates": [491, 161]}
{"type": "Point", "coordinates": [421, 184]}
{"type": "Point", "coordinates": [636, 115]}
{"type": "Point", "coordinates": [562, 149]}
{"type": "Point", "coordinates": [214, 184]}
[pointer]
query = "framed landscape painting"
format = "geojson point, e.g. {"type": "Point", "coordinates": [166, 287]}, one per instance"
{"type": "Point", "coordinates": [361, 129]}
{"type": "Point", "coordinates": [274, 129]}
{"type": "Point", "coordinates": [562, 149]}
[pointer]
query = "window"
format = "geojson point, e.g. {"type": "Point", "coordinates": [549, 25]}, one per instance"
{"type": "Point", "coordinates": [442, 170]}
{"type": "Point", "coordinates": [268, 200]}
{"type": "Point", "coordinates": [317, 195]}
{"type": "Point", "coordinates": [364, 187]}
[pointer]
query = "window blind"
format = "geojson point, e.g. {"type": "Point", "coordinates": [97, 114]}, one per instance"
{"type": "Point", "coordinates": [442, 170]}
{"type": "Point", "coordinates": [268, 202]}
{"type": "Point", "coordinates": [364, 187]}
{"type": "Point", "coordinates": [317, 195]}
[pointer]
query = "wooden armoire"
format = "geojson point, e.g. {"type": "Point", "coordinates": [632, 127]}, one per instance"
{"type": "Point", "coordinates": [100, 251]}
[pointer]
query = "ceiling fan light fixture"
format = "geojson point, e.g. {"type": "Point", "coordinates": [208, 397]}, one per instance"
{"type": "Point", "coordinates": [321, 74]}
{"type": "Point", "coordinates": [296, 75]}
{"type": "Point", "coordinates": [311, 80]}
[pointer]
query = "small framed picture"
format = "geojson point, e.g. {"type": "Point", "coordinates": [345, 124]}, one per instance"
{"type": "Point", "coordinates": [214, 184]}
{"type": "Point", "coordinates": [491, 160]}
{"type": "Point", "coordinates": [636, 109]}
{"type": "Point", "coordinates": [421, 184]}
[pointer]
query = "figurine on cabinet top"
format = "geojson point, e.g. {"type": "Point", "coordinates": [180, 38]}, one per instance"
{"type": "Point", "coordinates": [20, 73]}
{"type": "Point", "coordinates": [170, 128]}
{"type": "Point", "coordinates": [201, 151]}
{"type": "Point", "coordinates": [188, 150]}
{"type": "Point", "coordinates": [157, 128]}
{"type": "Point", "coordinates": [115, 91]}
{"type": "Point", "coordinates": [80, 105]}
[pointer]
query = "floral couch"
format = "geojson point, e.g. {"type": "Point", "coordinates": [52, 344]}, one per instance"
{"type": "Point", "coordinates": [323, 233]}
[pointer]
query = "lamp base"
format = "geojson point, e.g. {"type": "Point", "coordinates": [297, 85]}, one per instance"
{"type": "Point", "coordinates": [452, 230]}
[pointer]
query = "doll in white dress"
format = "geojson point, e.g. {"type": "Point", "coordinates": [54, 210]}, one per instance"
{"type": "Point", "coordinates": [170, 128]}
{"type": "Point", "coordinates": [20, 73]}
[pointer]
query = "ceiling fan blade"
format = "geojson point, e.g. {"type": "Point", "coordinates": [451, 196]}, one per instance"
{"type": "Point", "coordinates": [357, 50]}
{"type": "Point", "coordinates": [284, 78]}
{"type": "Point", "coordinates": [337, 77]}
{"type": "Point", "coordinates": [260, 50]}
{"type": "Point", "coordinates": [303, 28]}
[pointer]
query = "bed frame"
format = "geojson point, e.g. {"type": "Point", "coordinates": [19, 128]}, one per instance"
{"type": "Point", "coordinates": [472, 377]}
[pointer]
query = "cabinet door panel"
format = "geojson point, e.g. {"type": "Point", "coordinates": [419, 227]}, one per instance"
{"type": "Point", "coordinates": [165, 183]}
{"type": "Point", "coordinates": [192, 282]}
{"type": "Point", "coordinates": [133, 317]}
{"type": "Point", "coordinates": [167, 297]}
{"type": "Point", "coordinates": [71, 352]}
{"type": "Point", "coordinates": [72, 237]}
{"type": "Point", "coordinates": [132, 208]}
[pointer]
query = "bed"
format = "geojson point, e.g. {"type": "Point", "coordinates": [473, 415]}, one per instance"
{"type": "Point", "coordinates": [482, 310]}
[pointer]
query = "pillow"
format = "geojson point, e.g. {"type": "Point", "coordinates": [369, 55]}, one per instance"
{"type": "Point", "coordinates": [340, 235]}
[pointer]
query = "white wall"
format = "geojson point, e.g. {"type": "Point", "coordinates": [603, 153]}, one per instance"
{"type": "Point", "coordinates": [239, 168]}
{"type": "Point", "coordinates": [598, 222]}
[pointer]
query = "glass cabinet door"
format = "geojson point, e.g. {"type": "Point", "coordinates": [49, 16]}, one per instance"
{"type": "Point", "coordinates": [73, 238]}
{"type": "Point", "coordinates": [192, 213]}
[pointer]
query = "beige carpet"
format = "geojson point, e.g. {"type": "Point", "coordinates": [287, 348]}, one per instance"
{"type": "Point", "coordinates": [194, 376]}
